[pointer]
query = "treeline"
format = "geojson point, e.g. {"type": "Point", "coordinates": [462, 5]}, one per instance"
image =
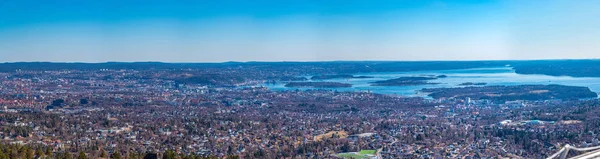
{"type": "Point", "coordinates": [282, 67]}
{"type": "Point", "coordinates": [574, 68]}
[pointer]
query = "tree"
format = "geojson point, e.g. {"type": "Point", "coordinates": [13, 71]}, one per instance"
{"type": "Point", "coordinates": [81, 155]}
{"type": "Point", "coordinates": [168, 154]}
{"type": "Point", "coordinates": [48, 151]}
{"type": "Point", "coordinates": [83, 101]}
{"type": "Point", "coordinates": [23, 152]}
{"type": "Point", "coordinates": [29, 153]}
{"type": "Point", "coordinates": [58, 102]}
{"type": "Point", "coordinates": [103, 154]}
{"type": "Point", "coordinates": [116, 155]}
{"type": "Point", "coordinates": [39, 153]}
{"type": "Point", "coordinates": [133, 155]}
{"type": "Point", "coordinates": [3, 155]}
{"type": "Point", "coordinates": [259, 154]}
{"type": "Point", "coordinates": [67, 155]}
{"type": "Point", "coordinates": [151, 156]}
{"type": "Point", "coordinates": [233, 157]}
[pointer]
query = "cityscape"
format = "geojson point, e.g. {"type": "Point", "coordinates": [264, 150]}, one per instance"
{"type": "Point", "coordinates": [223, 110]}
{"type": "Point", "coordinates": [299, 79]}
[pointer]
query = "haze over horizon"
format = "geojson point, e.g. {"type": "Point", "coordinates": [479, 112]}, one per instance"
{"type": "Point", "coordinates": [233, 30]}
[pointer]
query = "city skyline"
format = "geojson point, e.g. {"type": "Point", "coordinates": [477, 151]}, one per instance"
{"type": "Point", "coordinates": [192, 31]}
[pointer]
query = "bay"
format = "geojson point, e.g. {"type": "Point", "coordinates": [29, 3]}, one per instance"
{"type": "Point", "coordinates": [491, 76]}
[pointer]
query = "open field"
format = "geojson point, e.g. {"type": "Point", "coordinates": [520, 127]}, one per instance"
{"type": "Point", "coordinates": [351, 156]}
{"type": "Point", "coordinates": [339, 134]}
{"type": "Point", "coordinates": [367, 152]}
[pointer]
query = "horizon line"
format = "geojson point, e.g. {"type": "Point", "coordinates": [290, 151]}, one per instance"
{"type": "Point", "coordinates": [295, 61]}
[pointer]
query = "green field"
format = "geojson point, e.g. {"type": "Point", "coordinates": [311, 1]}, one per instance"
{"type": "Point", "coordinates": [360, 155]}
{"type": "Point", "coordinates": [367, 152]}
{"type": "Point", "coordinates": [351, 156]}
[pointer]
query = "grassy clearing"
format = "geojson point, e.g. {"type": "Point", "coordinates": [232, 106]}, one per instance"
{"type": "Point", "coordinates": [367, 152]}
{"type": "Point", "coordinates": [351, 156]}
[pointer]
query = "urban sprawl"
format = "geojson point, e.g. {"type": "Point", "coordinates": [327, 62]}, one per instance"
{"type": "Point", "coordinates": [226, 113]}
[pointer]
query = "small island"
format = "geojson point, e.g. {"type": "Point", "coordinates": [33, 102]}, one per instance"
{"type": "Point", "coordinates": [325, 77]}
{"type": "Point", "coordinates": [319, 84]}
{"type": "Point", "coordinates": [511, 93]}
{"type": "Point", "coordinates": [404, 81]}
{"type": "Point", "coordinates": [472, 84]}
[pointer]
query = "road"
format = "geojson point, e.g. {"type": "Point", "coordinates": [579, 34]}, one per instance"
{"type": "Point", "coordinates": [378, 154]}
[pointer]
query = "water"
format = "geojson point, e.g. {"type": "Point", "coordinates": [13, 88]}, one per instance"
{"type": "Point", "coordinates": [491, 76]}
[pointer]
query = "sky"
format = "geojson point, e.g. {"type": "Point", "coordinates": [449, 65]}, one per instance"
{"type": "Point", "coordinates": [297, 30]}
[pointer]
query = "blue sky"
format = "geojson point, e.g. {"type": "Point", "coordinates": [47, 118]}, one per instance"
{"type": "Point", "coordinates": [296, 30]}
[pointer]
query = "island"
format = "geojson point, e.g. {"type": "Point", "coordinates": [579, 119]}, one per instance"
{"type": "Point", "coordinates": [319, 84]}
{"type": "Point", "coordinates": [405, 81]}
{"type": "Point", "coordinates": [511, 93]}
{"type": "Point", "coordinates": [324, 77]}
{"type": "Point", "coordinates": [472, 84]}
